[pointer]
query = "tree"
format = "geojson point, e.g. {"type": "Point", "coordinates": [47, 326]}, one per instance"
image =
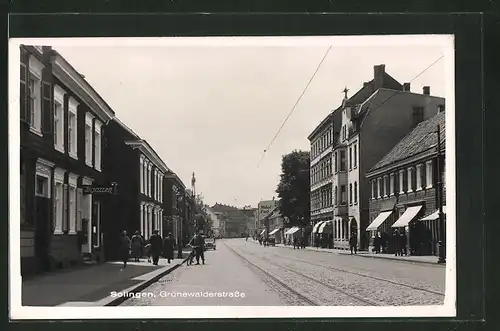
{"type": "Point", "coordinates": [294, 187]}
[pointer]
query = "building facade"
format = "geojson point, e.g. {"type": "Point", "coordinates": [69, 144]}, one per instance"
{"type": "Point", "coordinates": [372, 121]}
{"type": "Point", "coordinates": [139, 173]}
{"type": "Point", "coordinates": [404, 187]}
{"type": "Point", "coordinates": [63, 120]}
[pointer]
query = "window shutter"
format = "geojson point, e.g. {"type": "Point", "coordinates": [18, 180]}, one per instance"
{"type": "Point", "coordinates": [47, 116]}
{"type": "Point", "coordinates": [65, 208]}
{"type": "Point", "coordinates": [23, 93]}
{"type": "Point", "coordinates": [79, 210]}
{"type": "Point", "coordinates": [54, 207]}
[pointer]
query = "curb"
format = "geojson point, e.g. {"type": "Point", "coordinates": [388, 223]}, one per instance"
{"type": "Point", "coordinates": [338, 252]}
{"type": "Point", "coordinates": [138, 288]}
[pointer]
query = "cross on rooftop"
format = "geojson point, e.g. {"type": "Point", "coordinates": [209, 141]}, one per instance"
{"type": "Point", "coordinates": [345, 91]}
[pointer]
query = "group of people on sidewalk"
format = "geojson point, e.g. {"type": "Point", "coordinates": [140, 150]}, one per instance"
{"type": "Point", "coordinates": [397, 244]}
{"type": "Point", "coordinates": [137, 247]}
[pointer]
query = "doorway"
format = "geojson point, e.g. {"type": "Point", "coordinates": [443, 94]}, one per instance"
{"type": "Point", "coordinates": [43, 232]}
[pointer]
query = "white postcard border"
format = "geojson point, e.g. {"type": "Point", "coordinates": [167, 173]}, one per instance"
{"type": "Point", "coordinates": [17, 311]}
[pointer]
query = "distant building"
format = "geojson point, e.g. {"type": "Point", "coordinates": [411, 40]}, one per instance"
{"type": "Point", "coordinates": [403, 187]}
{"type": "Point", "coordinates": [264, 208]}
{"type": "Point", "coordinates": [235, 219]}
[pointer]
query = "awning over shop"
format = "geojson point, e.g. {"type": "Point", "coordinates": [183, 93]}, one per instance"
{"type": "Point", "coordinates": [273, 232]}
{"type": "Point", "coordinates": [379, 220]}
{"type": "Point", "coordinates": [407, 216]}
{"type": "Point", "coordinates": [292, 230]}
{"type": "Point", "coordinates": [434, 215]}
{"type": "Point", "coordinates": [263, 231]}
{"type": "Point", "coordinates": [316, 226]}
{"type": "Point", "coordinates": [326, 227]}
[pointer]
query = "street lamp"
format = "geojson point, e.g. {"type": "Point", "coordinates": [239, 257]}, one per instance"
{"type": "Point", "coordinates": [180, 198]}
{"type": "Point", "coordinates": [442, 235]}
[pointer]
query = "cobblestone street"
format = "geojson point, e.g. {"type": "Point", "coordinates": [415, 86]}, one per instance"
{"type": "Point", "coordinates": [245, 273]}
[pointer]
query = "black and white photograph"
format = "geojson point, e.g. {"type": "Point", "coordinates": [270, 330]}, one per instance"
{"type": "Point", "coordinates": [223, 177]}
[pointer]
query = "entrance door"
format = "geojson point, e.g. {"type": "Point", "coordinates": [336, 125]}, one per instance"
{"type": "Point", "coordinates": [96, 224]}
{"type": "Point", "coordinates": [43, 232]}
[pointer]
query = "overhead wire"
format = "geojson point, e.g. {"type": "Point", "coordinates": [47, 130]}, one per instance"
{"type": "Point", "coordinates": [295, 105]}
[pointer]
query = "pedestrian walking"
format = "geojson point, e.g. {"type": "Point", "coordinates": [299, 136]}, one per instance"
{"type": "Point", "coordinates": [168, 247]}
{"type": "Point", "coordinates": [295, 244]}
{"type": "Point", "coordinates": [124, 249]}
{"type": "Point", "coordinates": [156, 246]}
{"type": "Point", "coordinates": [137, 244]}
{"type": "Point", "coordinates": [198, 243]}
{"type": "Point", "coordinates": [353, 243]}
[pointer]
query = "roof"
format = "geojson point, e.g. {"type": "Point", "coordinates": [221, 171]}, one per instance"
{"type": "Point", "coordinates": [128, 129]}
{"type": "Point", "coordinates": [357, 98]}
{"type": "Point", "coordinates": [419, 140]}
{"type": "Point", "coordinates": [148, 151]}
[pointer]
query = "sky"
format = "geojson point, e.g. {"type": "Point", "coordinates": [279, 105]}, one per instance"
{"type": "Point", "coordinates": [213, 110]}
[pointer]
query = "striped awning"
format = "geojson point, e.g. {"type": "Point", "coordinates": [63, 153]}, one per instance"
{"type": "Point", "coordinates": [326, 227]}
{"type": "Point", "coordinates": [378, 220]}
{"type": "Point", "coordinates": [434, 215]}
{"type": "Point", "coordinates": [292, 230]}
{"type": "Point", "coordinates": [273, 232]}
{"type": "Point", "coordinates": [407, 216]}
{"type": "Point", "coordinates": [316, 226]}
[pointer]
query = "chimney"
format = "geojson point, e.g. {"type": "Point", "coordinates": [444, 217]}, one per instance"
{"type": "Point", "coordinates": [441, 108]}
{"type": "Point", "coordinates": [426, 90]}
{"type": "Point", "coordinates": [406, 87]}
{"type": "Point", "coordinates": [378, 76]}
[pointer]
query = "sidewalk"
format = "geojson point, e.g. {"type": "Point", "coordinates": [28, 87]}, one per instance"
{"type": "Point", "coordinates": [92, 285]}
{"type": "Point", "coordinates": [414, 259]}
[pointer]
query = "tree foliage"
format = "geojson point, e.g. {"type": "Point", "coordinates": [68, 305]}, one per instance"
{"type": "Point", "coordinates": [294, 187]}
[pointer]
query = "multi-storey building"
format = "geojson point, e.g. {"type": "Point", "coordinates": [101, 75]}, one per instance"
{"type": "Point", "coordinates": [139, 173]}
{"type": "Point", "coordinates": [372, 121]}
{"type": "Point", "coordinates": [404, 191]}
{"type": "Point", "coordinates": [264, 208]}
{"type": "Point", "coordinates": [63, 120]}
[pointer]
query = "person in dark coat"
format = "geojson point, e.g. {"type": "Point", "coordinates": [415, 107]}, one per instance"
{"type": "Point", "coordinates": [137, 244]}
{"type": "Point", "coordinates": [156, 246]}
{"type": "Point", "coordinates": [198, 242]}
{"type": "Point", "coordinates": [403, 243]}
{"type": "Point", "coordinates": [396, 242]}
{"type": "Point", "coordinates": [353, 243]}
{"type": "Point", "coordinates": [168, 247]}
{"type": "Point", "coordinates": [124, 248]}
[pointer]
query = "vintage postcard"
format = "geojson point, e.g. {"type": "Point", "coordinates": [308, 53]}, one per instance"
{"type": "Point", "coordinates": [262, 177]}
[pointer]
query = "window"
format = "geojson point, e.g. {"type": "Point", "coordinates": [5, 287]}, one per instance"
{"type": "Point", "coordinates": [88, 144]}
{"type": "Point", "coordinates": [429, 170]}
{"type": "Point", "coordinates": [355, 192]}
{"type": "Point", "coordinates": [355, 155]}
{"type": "Point", "coordinates": [35, 99]}
{"type": "Point", "coordinates": [58, 215]}
{"type": "Point", "coordinates": [41, 186]}
{"type": "Point", "coordinates": [342, 161]}
{"type": "Point", "coordinates": [401, 181]}
{"type": "Point", "coordinates": [79, 212]}
{"type": "Point", "coordinates": [374, 195]}
{"type": "Point", "coordinates": [149, 180]}
{"type": "Point", "coordinates": [89, 123]}
{"type": "Point", "coordinates": [72, 209]}
{"type": "Point", "coordinates": [409, 180]}
{"type": "Point", "coordinates": [391, 184]}
{"type": "Point", "coordinates": [343, 195]}
{"type": "Point", "coordinates": [335, 162]}
{"type": "Point", "coordinates": [350, 194]}
{"type": "Point", "coordinates": [72, 129]}
{"type": "Point", "coordinates": [97, 145]}
{"type": "Point", "coordinates": [350, 158]}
